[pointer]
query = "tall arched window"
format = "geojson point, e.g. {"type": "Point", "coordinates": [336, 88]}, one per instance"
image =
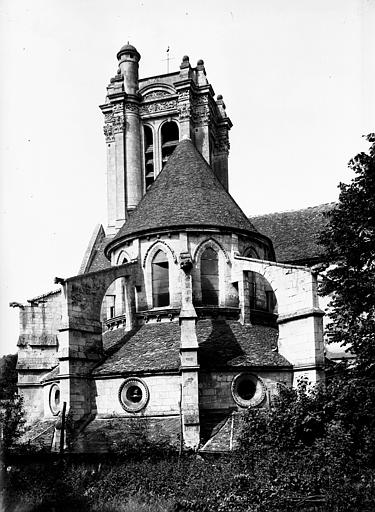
{"type": "Point", "coordinates": [169, 140]}
{"type": "Point", "coordinates": [210, 277]}
{"type": "Point", "coordinates": [149, 156]}
{"type": "Point", "coordinates": [160, 280]}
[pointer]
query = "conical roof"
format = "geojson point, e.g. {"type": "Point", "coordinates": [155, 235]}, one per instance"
{"type": "Point", "coordinates": [186, 193]}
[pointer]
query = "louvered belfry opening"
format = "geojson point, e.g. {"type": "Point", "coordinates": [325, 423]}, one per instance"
{"type": "Point", "coordinates": [169, 140]}
{"type": "Point", "coordinates": [210, 277]}
{"type": "Point", "coordinates": [149, 156]}
{"type": "Point", "coordinates": [160, 280]}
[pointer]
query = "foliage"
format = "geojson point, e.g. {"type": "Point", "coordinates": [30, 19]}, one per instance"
{"type": "Point", "coordinates": [8, 376]}
{"type": "Point", "coordinates": [323, 438]}
{"type": "Point", "coordinates": [11, 420]}
{"type": "Point", "coordinates": [349, 241]}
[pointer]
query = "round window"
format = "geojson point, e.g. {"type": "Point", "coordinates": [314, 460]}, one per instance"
{"type": "Point", "coordinates": [133, 395]}
{"type": "Point", "coordinates": [248, 390]}
{"type": "Point", "coordinates": [54, 399]}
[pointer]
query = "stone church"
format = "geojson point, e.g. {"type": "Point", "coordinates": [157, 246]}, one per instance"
{"type": "Point", "coordinates": [183, 313]}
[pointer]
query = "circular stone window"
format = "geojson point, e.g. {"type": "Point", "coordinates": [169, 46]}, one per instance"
{"type": "Point", "coordinates": [54, 399]}
{"type": "Point", "coordinates": [133, 395]}
{"type": "Point", "coordinates": [248, 390]}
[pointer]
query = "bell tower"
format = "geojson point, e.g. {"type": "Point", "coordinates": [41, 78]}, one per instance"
{"type": "Point", "coordinates": [144, 121]}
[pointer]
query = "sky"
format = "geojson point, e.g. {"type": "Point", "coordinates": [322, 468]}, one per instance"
{"type": "Point", "coordinates": [297, 77]}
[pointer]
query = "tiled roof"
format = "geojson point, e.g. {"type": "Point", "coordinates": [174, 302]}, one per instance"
{"type": "Point", "coordinates": [186, 193]}
{"type": "Point", "coordinates": [230, 344]}
{"type": "Point", "coordinates": [40, 435]}
{"type": "Point", "coordinates": [44, 295]}
{"type": "Point", "coordinates": [94, 258]}
{"type": "Point", "coordinates": [112, 338]}
{"type": "Point", "coordinates": [99, 260]}
{"type": "Point", "coordinates": [225, 436]}
{"type": "Point", "coordinates": [155, 347]}
{"type": "Point", "coordinates": [53, 374]}
{"type": "Point", "coordinates": [152, 347]}
{"type": "Point", "coordinates": [295, 233]}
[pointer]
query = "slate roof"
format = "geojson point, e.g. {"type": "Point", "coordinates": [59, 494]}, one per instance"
{"type": "Point", "coordinates": [94, 258]}
{"type": "Point", "coordinates": [185, 194]}
{"type": "Point", "coordinates": [295, 233]}
{"type": "Point", "coordinates": [225, 436]}
{"type": "Point", "coordinates": [53, 374]}
{"type": "Point", "coordinates": [112, 338]}
{"type": "Point", "coordinates": [222, 345]}
{"type": "Point", "coordinates": [99, 260]}
{"type": "Point", "coordinates": [40, 435]}
{"type": "Point", "coordinates": [230, 344]}
{"type": "Point", "coordinates": [152, 347]}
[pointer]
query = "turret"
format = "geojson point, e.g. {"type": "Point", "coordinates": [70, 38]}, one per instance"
{"type": "Point", "coordinates": [129, 58]}
{"type": "Point", "coordinates": [123, 136]}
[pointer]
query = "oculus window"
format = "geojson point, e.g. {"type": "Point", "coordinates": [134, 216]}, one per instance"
{"type": "Point", "coordinates": [133, 395]}
{"type": "Point", "coordinates": [248, 390]}
{"type": "Point", "coordinates": [54, 399]}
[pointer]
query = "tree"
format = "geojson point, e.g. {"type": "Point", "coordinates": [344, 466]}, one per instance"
{"type": "Point", "coordinates": [8, 376]}
{"type": "Point", "coordinates": [349, 240]}
{"type": "Point", "coordinates": [12, 419]}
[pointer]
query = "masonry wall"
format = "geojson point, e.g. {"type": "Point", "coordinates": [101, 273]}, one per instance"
{"type": "Point", "coordinates": [173, 244]}
{"type": "Point", "coordinates": [37, 349]}
{"type": "Point", "coordinates": [215, 387]}
{"type": "Point", "coordinates": [164, 400]}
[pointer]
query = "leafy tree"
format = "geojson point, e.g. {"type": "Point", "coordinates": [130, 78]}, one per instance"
{"type": "Point", "coordinates": [11, 420]}
{"type": "Point", "coordinates": [349, 240]}
{"type": "Point", "coordinates": [11, 405]}
{"type": "Point", "coordinates": [8, 376]}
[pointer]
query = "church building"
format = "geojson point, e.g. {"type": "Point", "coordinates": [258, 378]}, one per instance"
{"type": "Point", "coordinates": [181, 316]}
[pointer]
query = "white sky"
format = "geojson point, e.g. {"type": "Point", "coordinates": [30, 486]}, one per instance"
{"type": "Point", "coordinates": [297, 77]}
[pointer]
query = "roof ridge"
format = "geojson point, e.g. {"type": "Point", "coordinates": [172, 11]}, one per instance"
{"type": "Point", "coordinates": [280, 212]}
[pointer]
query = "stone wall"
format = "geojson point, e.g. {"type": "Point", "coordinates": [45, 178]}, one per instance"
{"type": "Point", "coordinates": [37, 349]}
{"type": "Point", "coordinates": [164, 396]}
{"type": "Point", "coordinates": [173, 244]}
{"type": "Point", "coordinates": [215, 387]}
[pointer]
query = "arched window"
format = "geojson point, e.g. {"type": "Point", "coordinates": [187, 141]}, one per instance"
{"type": "Point", "coordinates": [250, 252]}
{"type": "Point", "coordinates": [149, 156]}
{"type": "Point", "coordinates": [160, 280]}
{"type": "Point", "coordinates": [169, 140]}
{"type": "Point", "coordinates": [210, 277]}
{"type": "Point", "coordinates": [262, 296]}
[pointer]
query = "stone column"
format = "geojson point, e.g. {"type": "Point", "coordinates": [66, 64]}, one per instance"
{"type": "Point", "coordinates": [244, 297]}
{"type": "Point", "coordinates": [221, 153]}
{"type": "Point", "coordinates": [129, 304]}
{"type": "Point", "coordinates": [189, 359]}
{"type": "Point", "coordinates": [133, 162]}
